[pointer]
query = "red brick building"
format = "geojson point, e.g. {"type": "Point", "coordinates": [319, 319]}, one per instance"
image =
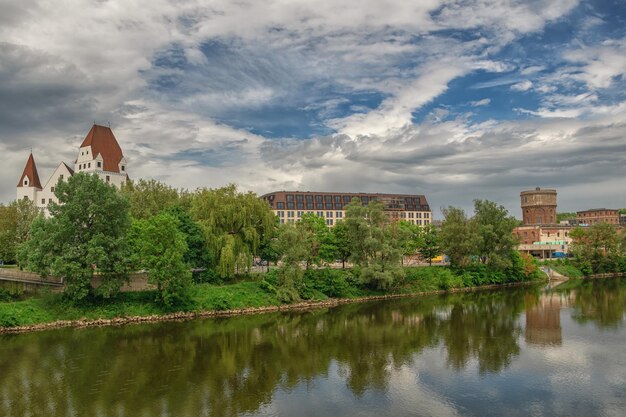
{"type": "Point", "coordinates": [595, 216]}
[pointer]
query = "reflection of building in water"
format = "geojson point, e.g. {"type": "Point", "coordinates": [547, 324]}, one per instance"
{"type": "Point", "coordinates": [543, 321]}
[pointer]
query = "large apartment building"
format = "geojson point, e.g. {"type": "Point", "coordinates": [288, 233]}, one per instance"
{"type": "Point", "coordinates": [289, 206]}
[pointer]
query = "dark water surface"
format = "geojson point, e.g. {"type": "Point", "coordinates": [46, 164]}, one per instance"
{"type": "Point", "coordinates": [515, 352]}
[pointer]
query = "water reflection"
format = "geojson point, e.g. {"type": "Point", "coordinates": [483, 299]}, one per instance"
{"type": "Point", "coordinates": [376, 356]}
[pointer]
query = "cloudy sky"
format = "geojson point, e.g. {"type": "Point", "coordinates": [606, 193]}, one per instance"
{"type": "Point", "coordinates": [454, 99]}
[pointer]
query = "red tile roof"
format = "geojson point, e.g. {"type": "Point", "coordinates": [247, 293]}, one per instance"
{"type": "Point", "coordinates": [30, 171]}
{"type": "Point", "coordinates": [103, 143]}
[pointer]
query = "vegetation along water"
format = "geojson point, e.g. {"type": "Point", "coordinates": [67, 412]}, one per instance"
{"type": "Point", "coordinates": [515, 352]}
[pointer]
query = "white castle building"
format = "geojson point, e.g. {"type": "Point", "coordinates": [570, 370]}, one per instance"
{"type": "Point", "coordinates": [99, 154]}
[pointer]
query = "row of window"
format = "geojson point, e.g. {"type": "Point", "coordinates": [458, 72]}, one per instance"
{"type": "Point", "coordinates": [337, 214]}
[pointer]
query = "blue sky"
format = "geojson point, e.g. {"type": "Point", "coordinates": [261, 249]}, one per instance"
{"type": "Point", "coordinates": [452, 99]}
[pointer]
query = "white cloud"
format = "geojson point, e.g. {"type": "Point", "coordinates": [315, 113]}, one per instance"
{"type": "Point", "coordinates": [479, 103]}
{"type": "Point", "coordinates": [522, 86]}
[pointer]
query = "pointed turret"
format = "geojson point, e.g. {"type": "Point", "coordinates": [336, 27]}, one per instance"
{"type": "Point", "coordinates": [30, 176]}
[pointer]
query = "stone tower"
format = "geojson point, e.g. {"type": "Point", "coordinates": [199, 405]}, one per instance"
{"type": "Point", "coordinates": [538, 206]}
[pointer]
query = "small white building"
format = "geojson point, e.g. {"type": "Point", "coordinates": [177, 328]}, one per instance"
{"type": "Point", "coordinates": [99, 154]}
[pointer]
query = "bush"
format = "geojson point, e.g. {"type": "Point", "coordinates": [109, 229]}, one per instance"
{"type": "Point", "coordinates": [8, 319]}
{"type": "Point", "coordinates": [331, 282]}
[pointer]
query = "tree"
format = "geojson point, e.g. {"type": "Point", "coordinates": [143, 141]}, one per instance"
{"type": "Point", "coordinates": [341, 242]}
{"type": "Point", "coordinates": [293, 247]}
{"type": "Point", "coordinates": [319, 239]}
{"type": "Point", "coordinates": [15, 222]}
{"type": "Point", "coordinates": [596, 248]}
{"type": "Point", "coordinates": [459, 237]}
{"type": "Point", "coordinates": [429, 243]}
{"type": "Point", "coordinates": [234, 224]}
{"type": "Point", "coordinates": [375, 244]}
{"type": "Point", "coordinates": [86, 234]}
{"type": "Point", "coordinates": [159, 246]}
{"type": "Point", "coordinates": [149, 197]}
{"type": "Point", "coordinates": [495, 230]}
{"type": "Point", "coordinates": [196, 255]}
{"type": "Point", "coordinates": [410, 236]}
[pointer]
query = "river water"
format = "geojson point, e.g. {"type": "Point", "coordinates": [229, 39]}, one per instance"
{"type": "Point", "coordinates": [513, 352]}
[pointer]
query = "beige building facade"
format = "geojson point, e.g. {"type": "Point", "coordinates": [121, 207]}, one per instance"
{"type": "Point", "coordinates": [290, 206]}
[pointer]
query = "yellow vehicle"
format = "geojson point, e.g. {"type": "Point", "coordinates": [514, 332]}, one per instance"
{"type": "Point", "coordinates": [437, 259]}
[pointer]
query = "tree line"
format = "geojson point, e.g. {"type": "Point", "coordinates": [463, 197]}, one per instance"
{"type": "Point", "coordinates": [147, 225]}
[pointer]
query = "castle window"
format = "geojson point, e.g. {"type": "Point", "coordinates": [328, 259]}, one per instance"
{"type": "Point", "coordinates": [100, 165]}
{"type": "Point", "coordinates": [108, 178]}
{"type": "Point", "coordinates": [123, 168]}
{"type": "Point", "coordinates": [52, 189]}
{"type": "Point", "coordinates": [89, 165]}
{"type": "Point", "coordinates": [49, 201]}
{"type": "Point", "coordinates": [25, 182]}
{"type": "Point", "coordinates": [61, 177]}
{"type": "Point", "coordinates": [43, 201]}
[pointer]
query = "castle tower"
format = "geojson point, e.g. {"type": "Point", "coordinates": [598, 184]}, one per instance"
{"type": "Point", "coordinates": [101, 154]}
{"type": "Point", "coordinates": [538, 206]}
{"type": "Point", "coordinates": [29, 183]}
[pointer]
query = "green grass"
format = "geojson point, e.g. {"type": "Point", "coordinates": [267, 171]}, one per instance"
{"type": "Point", "coordinates": [566, 269]}
{"type": "Point", "coordinates": [253, 291]}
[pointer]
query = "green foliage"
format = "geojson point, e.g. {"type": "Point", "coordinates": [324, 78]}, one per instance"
{"type": "Point", "coordinates": [331, 282]}
{"type": "Point", "coordinates": [160, 247]}
{"type": "Point", "coordinates": [565, 216]}
{"type": "Point", "coordinates": [196, 255]}
{"type": "Point", "coordinates": [15, 222]}
{"type": "Point", "coordinates": [375, 244]}
{"type": "Point", "coordinates": [233, 224]}
{"type": "Point", "coordinates": [495, 230]}
{"type": "Point", "coordinates": [598, 248]}
{"type": "Point", "coordinates": [429, 244]}
{"type": "Point", "coordinates": [148, 198]}
{"type": "Point", "coordinates": [86, 233]}
{"type": "Point", "coordinates": [341, 241]}
{"type": "Point", "coordinates": [459, 237]}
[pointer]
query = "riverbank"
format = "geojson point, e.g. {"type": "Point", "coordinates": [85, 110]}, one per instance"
{"type": "Point", "coordinates": [180, 316]}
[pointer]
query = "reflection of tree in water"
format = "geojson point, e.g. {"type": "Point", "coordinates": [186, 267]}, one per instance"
{"type": "Point", "coordinates": [485, 328]}
{"type": "Point", "coordinates": [232, 366]}
{"type": "Point", "coordinates": [600, 301]}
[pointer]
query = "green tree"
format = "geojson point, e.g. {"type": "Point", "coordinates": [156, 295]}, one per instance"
{"type": "Point", "coordinates": [149, 197]}
{"type": "Point", "coordinates": [197, 255]}
{"type": "Point", "coordinates": [159, 246]}
{"type": "Point", "coordinates": [293, 246]}
{"type": "Point", "coordinates": [319, 239]}
{"type": "Point", "coordinates": [459, 237]}
{"type": "Point", "coordinates": [341, 242]}
{"type": "Point", "coordinates": [86, 234]}
{"type": "Point", "coordinates": [565, 216]}
{"type": "Point", "coordinates": [596, 248]}
{"type": "Point", "coordinates": [375, 244]}
{"type": "Point", "coordinates": [15, 222]}
{"type": "Point", "coordinates": [234, 224]}
{"type": "Point", "coordinates": [429, 243]}
{"type": "Point", "coordinates": [496, 240]}
{"type": "Point", "coordinates": [410, 236]}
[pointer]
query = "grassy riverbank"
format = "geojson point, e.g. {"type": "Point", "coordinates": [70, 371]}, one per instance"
{"type": "Point", "coordinates": [252, 292]}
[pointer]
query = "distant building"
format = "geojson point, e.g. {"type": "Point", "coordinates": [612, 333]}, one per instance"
{"type": "Point", "coordinates": [98, 154]}
{"type": "Point", "coordinates": [540, 235]}
{"type": "Point", "coordinates": [622, 219]}
{"type": "Point", "coordinates": [538, 206]}
{"type": "Point", "coordinates": [600, 215]}
{"type": "Point", "coordinates": [290, 206]}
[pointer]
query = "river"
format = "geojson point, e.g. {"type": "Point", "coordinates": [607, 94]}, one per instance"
{"type": "Point", "coordinates": [511, 352]}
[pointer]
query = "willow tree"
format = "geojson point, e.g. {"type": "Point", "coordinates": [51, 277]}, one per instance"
{"type": "Point", "coordinates": [234, 224]}
{"type": "Point", "coordinates": [148, 198]}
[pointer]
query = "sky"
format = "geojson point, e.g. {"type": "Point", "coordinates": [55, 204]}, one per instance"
{"type": "Point", "coordinates": [454, 99]}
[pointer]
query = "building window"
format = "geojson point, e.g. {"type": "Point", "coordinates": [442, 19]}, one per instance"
{"type": "Point", "coordinates": [290, 205]}
{"type": "Point", "coordinates": [26, 182]}
{"type": "Point", "coordinates": [329, 214]}
{"type": "Point", "coordinates": [320, 214]}
{"type": "Point", "coordinates": [300, 205]}
{"type": "Point", "coordinates": [337, 199]}
{"type": "Point", "coordinates": [52, 189]}
{"type": "Point", "coordinates": [309, 205]}
{"type": "Point", "coordinates": [89, 165]}
{"type": "Point", "coordinates": [289, 197]}
{"type": "Point", "coordinates": [108, 178]}
{"type": "Point", "coordinates": [61, 177]}
{"type": "Point", "coordinates": [282, 221]}
{"type": "Point", "coordinates": [346, 199]}
{"type": "Point", "coordinates": [299, 197]}
{"type": "Point", "coordinates": [43, 201]}
{"type": "Point", "coordinates": [339, 214]}
{"type": "Point", "coordinates": [100, 165]}
{"type": "Point", "coordinates": [123, 168]}
{"type": "Point", "coordinates": [49, 201]}
{"type": "Point", "coordinates": [280, 205]}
